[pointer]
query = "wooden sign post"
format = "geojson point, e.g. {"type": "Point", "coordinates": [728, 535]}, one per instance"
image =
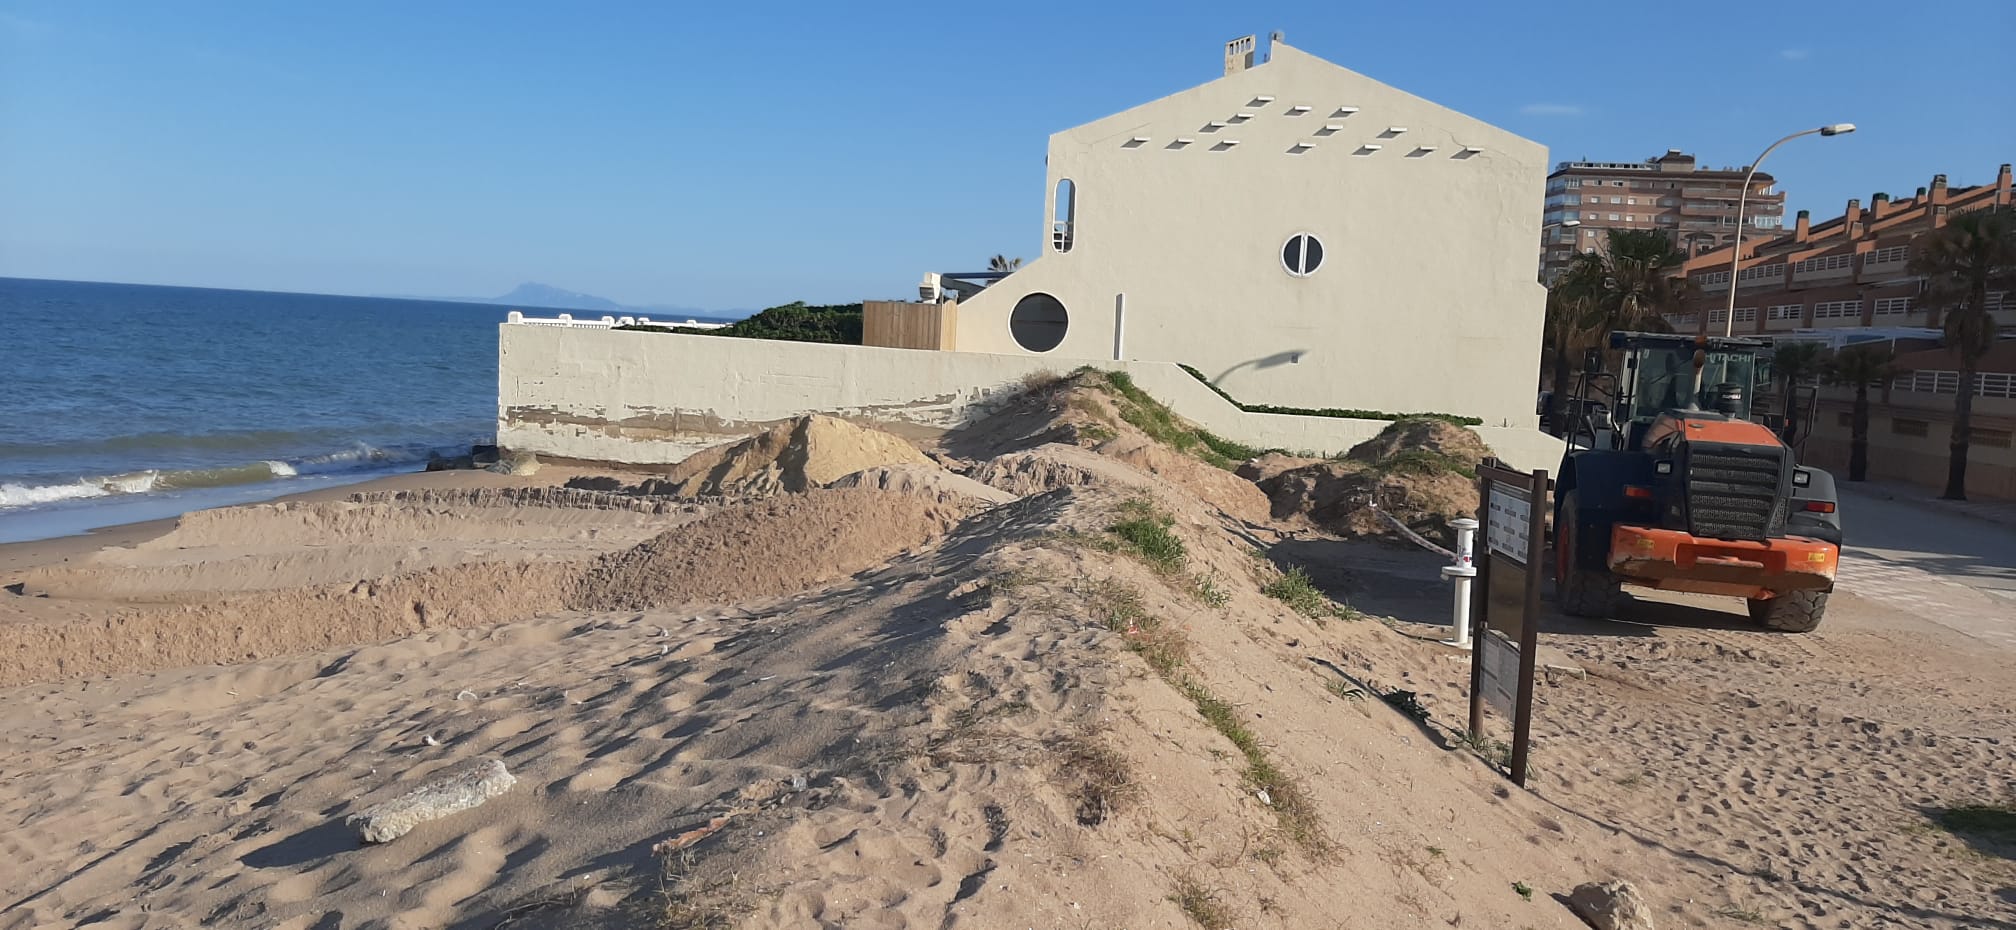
{"type": "Point", "coordinates": [1505, 621]}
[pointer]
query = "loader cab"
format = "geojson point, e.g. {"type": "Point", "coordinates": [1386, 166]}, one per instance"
{"type": "Point", "coordinates": [1616, 411]}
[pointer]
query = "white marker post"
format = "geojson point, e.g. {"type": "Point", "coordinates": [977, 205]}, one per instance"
{"type": "Point", "coordinates": [1461, 573]}
{"type": "Point", "coordinates": [1120, 327]}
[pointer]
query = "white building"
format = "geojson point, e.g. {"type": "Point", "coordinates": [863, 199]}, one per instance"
{"type": "Point", "coordinates": [1302, 234]}
{"type": "Point", "coordinates": [1305, 236]}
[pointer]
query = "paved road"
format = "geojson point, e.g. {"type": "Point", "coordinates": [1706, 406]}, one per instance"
{"type": "Point", "coordinates": [1947, 568]}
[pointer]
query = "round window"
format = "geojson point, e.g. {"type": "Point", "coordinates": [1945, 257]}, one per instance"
{"type": "Point", "coordinates": [1037, 322]}
{"type": "Point", "coordinates": [1302, 254]}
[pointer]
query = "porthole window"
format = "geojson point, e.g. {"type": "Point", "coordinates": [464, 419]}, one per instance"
{"type": "Point", "coordinates": [1038, 322]}
{"type": "Point", "coordinates": [1302, 255]}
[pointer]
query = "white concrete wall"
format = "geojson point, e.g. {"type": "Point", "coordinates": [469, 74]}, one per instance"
{"type": "Point", "coordinates": [655, 398]}
{"type": "Point", "coordinates": [1426, 299]}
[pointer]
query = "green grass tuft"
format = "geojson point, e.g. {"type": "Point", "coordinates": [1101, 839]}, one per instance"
{"type": "Point", "coordinates": [1292, 805]}
{"type": "Point", "coordinates": [1296, 590]}
{"type": "Point", "coordinates": [1490, 750]}
{"type": "Point", "coordinates": [1206, 588]}
{"type": "Point", "coordinates": [1150, 534]}
{"type": "Point", "coordinates": [1151, 417]}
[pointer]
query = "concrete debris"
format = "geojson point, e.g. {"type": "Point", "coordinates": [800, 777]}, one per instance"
{"type": "Point", "coordinates": [1611, 906]}
{"type": "Point", "coordinates": [457, 791]}
{"type": "Point", "coordinates": [521, 464]}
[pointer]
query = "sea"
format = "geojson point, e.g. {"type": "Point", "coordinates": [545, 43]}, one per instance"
{"type": "Point", "coordinates": [121, 403]}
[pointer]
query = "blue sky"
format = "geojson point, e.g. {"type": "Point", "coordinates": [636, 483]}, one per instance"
{"type": "Point", "coordinates": [740, 155]}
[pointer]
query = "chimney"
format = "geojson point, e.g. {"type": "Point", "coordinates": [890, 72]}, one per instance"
{"type": "Point", "coordinates": [1803, 227]}
{"type": "Point", "coordinates": [1879, 205]}
{"type": "Point", "coordinates": [1851, 219]}
{"type": "Point", "coordinates": [2002, 186]}
{"type": "Point", "coordinates": [1938, 189]}
{"type": "Point", "coordinates": [1239, 54]}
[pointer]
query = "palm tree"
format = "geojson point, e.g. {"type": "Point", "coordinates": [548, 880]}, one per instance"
{"type": "Point", "coordinates": [1960, 261]}
{"type": "Point", "coordinates": [1859, 366]}
{"type": "Point", "coordinates": [1640, 279]}
{"type": "Point", "coordinates": [1574, 322]}
{"type": "Point", "coordinates": [1792, 363]}
{"type": "Point", "coordinates": [1003, 263]}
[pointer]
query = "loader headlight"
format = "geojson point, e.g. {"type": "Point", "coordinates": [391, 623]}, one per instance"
{"type": "Point", "coordinates": [1801, 477]}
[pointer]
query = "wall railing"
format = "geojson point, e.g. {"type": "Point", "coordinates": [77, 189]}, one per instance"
{"type": "Point", "coordinates": [519, 318]}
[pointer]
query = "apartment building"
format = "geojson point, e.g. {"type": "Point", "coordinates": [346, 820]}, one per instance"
{"type": "Point", "coordinates": [1846, 272]}
{"type": "Point", "coordinates": [1670, 192]}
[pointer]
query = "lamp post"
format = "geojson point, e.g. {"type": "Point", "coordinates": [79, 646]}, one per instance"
{"type": "Point", "coordinates": [1743, 197]}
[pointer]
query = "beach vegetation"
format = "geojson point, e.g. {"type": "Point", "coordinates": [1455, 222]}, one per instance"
{"type": "Point", "coordinates": [1150, 535]}
{"type": "Point", "coordinates": [1201, 905]}
{"type": "Point", "coordinates": [1150, 416]}
{"type": "Point", "coordinates": [793, 322]}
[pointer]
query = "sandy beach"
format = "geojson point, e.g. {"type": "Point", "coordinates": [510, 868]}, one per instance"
{"type": "Point", "coordinates": [866, 684]}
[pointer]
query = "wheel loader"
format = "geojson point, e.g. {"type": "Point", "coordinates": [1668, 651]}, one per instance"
{"type": "Point", "coordinates": [1669, 484]}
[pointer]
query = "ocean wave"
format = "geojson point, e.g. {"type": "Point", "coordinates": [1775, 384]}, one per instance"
{"type": "Point", "coordinates": [143, 446]}
{"type": "Point", "coordinates": [360, 457]}
{"type": "Point", "coordinates": [17, 495]}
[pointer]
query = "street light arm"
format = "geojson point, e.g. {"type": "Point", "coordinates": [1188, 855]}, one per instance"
{"type": "Point", "coordinates": [1742, 200]}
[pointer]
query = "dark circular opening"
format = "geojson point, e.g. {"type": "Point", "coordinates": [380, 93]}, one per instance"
{"type": "Point", "coordinates": [1038, 322]}
{"type": "Point", "coordinates": [1302, 254]}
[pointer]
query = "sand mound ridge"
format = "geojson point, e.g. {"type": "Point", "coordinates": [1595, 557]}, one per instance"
{"type": "Point", "coordinates": [766, 547]}
{"type": "Point", "coordinates": [798, 455]}
{"type": "Point", "coordinates": [1422, 472]}
{"type": "Point", "coordinates": [944, 486]}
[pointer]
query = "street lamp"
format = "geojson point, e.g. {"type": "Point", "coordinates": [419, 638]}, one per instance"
{"type": "Point", "coordinates": [1736, 253]}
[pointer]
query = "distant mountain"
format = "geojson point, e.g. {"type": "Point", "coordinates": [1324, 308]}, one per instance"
{"type": "Point", "coordinates": [534, 295]}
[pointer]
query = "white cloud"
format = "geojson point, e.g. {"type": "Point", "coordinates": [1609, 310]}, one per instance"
{"type": "Point", "coordinates": [1795, 54]}
{"type": "Point", "coordinates": [1551, 109]}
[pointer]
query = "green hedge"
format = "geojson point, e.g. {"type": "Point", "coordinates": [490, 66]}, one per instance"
{"type": "Point", "coordinates": [792, 322]}
{"type": "Point", "coordinates": [1331, 412]}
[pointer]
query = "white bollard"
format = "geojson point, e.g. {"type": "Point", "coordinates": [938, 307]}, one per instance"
{"type": "Point", "coordinates": [1462, 572]}
{"type": "Point", "coordinates": [1120, 327]}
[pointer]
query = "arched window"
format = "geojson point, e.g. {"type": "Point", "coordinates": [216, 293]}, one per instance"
{"type": "Point", "coordinates": [1063, 210]}
{"type": "Point", "coordinates": [1302, 254]}
{"type": "Point", "coordinates": [1038, 322]}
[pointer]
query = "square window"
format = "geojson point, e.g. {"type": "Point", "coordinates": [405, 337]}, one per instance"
{"type": "Point", "coordinates": [1631, 200]}
{"type": "Point", "coordinates": [1613, 217]}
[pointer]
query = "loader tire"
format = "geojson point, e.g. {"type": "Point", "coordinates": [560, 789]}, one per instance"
{"type": "Point", "coordinates": [1583, 592]}
{"type": "Point", "coordinates": [1791, 612]}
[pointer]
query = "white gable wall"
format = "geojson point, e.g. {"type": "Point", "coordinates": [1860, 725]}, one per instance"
{"type": "Point", "coordinates": [1426, 299]}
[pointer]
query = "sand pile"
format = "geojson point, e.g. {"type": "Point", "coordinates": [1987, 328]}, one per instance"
{"type": "Point", "coordinates": [799, 455]}
{"type": "Point", "coordinates": [267, 547]}
{"type": "Point", "coordinates": [1052, 466]}
{"type": "Point", "coordinates": [1422, 435]}
{"type": "Point", "coordinates": [1224, 490]}
{"type": "Point", "coordinates": [765, 547]}
{"type": "Point", "coordinates": [1422, 472]}
{"type": "Point", "coordinates": [928, 481]}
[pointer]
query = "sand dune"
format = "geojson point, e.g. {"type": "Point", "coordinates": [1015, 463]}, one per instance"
{"type": "Point", "coordinates": [907, 703]}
